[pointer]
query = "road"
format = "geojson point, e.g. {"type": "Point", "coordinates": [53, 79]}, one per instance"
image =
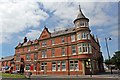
{"type": "Point", "coordinates": [63, 79]}
{"type": "Point", "coordinates": [101, 76]}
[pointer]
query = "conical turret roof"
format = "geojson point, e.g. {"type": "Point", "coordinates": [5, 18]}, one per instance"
{"type": "Point", "coordinates": [80, 15]}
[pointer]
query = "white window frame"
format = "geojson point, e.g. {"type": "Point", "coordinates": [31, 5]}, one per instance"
{"type": "Point", "coordinates": [62, 39]}
{"type": "Point", "coordinates": [73, 67]}
{"type": "Point", "coordinates": [79, 48]}
{"type": "Point", "coordinates": [44, 54]}
{"type": "Point", "coordinates": [27, 55]}
{"type": "Point", "coordinates": [34, 67]}
{"type": "Point", "coordinates": [36, 56]}
{"type": "Point", "coordinates": [82, 23]}
{"type": "Point", "coordinates": [29, 48]}
{"type": "Point", "coordinates": [85, 35]}
{"type": "Point", "coordinates": [72, 38]}
{"type": "Point", "coordinates": [36, 47]}
{"type": "Point", "coordinates": [58, 64]}
{"type": "Point", "coordinates": [63, 51]}
{"type": "Point", "coordinates": [44, 44]}
{"type": "Point", "coordinates": [63, 64]}
{"type": "Point", "coordinates": [78, 36]}
{"type": "Point", "coordinates": [26, 66]}
{"type": "Point", "coordinates": [43, 64]}
{"type": "Point", "coordinates": [73, 49]}
{"type": "Point", "coordinates": [53, 42]}
{"type": "Point", "coordinates": [84, 46]}
{"type": "Point", "coordinates": [53, 66]}
{"type": "Point", "coordinates": [53, 52]}
{"type": "Point", "coordinates": [17, 67]}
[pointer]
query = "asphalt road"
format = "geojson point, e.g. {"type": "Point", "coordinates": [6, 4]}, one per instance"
{"type": "Point", "coordinates": [63, 79]}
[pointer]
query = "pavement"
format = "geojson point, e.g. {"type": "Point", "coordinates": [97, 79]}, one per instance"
{"type": "Point", "coordinates": [106, 74]}
{"type": "Point", "coordinates": [102, 76]}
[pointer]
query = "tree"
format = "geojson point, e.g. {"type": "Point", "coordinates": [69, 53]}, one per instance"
{"type": "Point", "coordinates": [116, 59]}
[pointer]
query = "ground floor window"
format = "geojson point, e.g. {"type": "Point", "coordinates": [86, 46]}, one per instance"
{"type": "Point", "coordinates": [58, 65]}
{"type": "Point", "coordinates": [63, 66]}
{"type": "Point", "coordinates": [28, 67]}
{"type": "Point", "coordinates": [53, 66]}
{"type": "Point", "coordinates": [74, 65]}
{"type": "Point", "coordinates": [17, 67]}
{"type": "Point", "coordinates": [43, 65]}
{"type": "Point", "coordinates": [35, 67]}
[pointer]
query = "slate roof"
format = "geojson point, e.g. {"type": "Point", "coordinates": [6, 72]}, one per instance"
{"type": "Point", "coordinates": [80, 14]}
{"type": "Point", "coordinates": [7, 58]}
{"type": "Point", "coordinates": [61, 32]}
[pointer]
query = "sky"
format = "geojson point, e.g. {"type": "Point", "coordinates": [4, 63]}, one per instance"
{"type": "Point", "coordinates": [20, 18]}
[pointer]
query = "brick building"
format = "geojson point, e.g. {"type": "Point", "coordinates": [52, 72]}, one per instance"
{"type": "Point", "coordinates": [73, 51]}
{"type": "Point", "coordinates": [7, 61]}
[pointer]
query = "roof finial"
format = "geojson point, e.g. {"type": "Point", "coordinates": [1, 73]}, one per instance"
{"type": "Point", "coordinates": [79, 8]}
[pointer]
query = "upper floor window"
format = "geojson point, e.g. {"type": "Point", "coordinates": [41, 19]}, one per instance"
{"type": "Point", "coordinates": [73, 49]}
{"type": "Point", "coordinates": [86, 24]}
{"type": "Point", "coordinates": [23, 49]}
{"type": "Point", "coordinates": [18, 57]}
{"type": "Point", "coordinates": [84, 47]}
{"type": "Point", "coordinates": [72, 38]}
{"type": "Point", "coordinates": [53, 52]}
{"type": "Point", "coordinates": [28, 48]}
{"type": "Point", "coordinates": [63, 51]}
{"type": "Point", "coordinates": [85, 35]}
{"type": "Point", "coordinates": [82, 23]}
{"type": "Point", "coordinates": [78, 36]}
{"type": "Point", "coordinates": [63, 40]}
{"type": "Point", "coordinates": [35, 56]}
{"type": "Point", "coordinates": [53, 42]}
{"type": "Point", "coordinates": [43, 44]}
{"type": "Point", "coordinates": [44, 55]}
{"type": "Point", "coordinates": [35, 47]}
{"type": "Point", "coordinates": [27, 56]}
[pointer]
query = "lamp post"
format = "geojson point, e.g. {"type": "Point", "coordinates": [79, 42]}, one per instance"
{"type": "Point", "coordinates": [108, 52]}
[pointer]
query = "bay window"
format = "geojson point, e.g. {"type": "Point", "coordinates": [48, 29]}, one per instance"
{"type": "Point", "coordinates": [84, 48]}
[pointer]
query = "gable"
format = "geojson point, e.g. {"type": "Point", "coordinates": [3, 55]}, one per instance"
{"type": "Point", "coordinates": [45, 34]}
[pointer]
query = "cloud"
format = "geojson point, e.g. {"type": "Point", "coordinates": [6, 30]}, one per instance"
{"type": "Point", "coordinates": [21, 15]}
{"type": "Point", "coordinates": [33, 34]}
{"type": "Point", "coordinates": [16, 16]}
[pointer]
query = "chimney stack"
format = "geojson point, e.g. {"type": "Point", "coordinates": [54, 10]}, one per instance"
{"type": "Point", "coordinates": [25, 40]}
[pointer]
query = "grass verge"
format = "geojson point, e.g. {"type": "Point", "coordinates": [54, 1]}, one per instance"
{"type": "Point", "coordinates": [7, 75]}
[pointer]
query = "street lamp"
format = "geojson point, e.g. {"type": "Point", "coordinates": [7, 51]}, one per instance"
{"type": "Point", "coordinates": [108, 51]}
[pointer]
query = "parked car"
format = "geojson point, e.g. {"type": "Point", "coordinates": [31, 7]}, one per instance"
{"type": "Point", "coordinates": [6, 69]}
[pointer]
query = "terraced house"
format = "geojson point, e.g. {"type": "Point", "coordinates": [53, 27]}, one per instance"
{"type": "Point", "coordinates": [73, 51]}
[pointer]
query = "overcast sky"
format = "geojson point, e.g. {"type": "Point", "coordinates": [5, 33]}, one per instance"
{"type": "Point", "coordinates": [20, 18]}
